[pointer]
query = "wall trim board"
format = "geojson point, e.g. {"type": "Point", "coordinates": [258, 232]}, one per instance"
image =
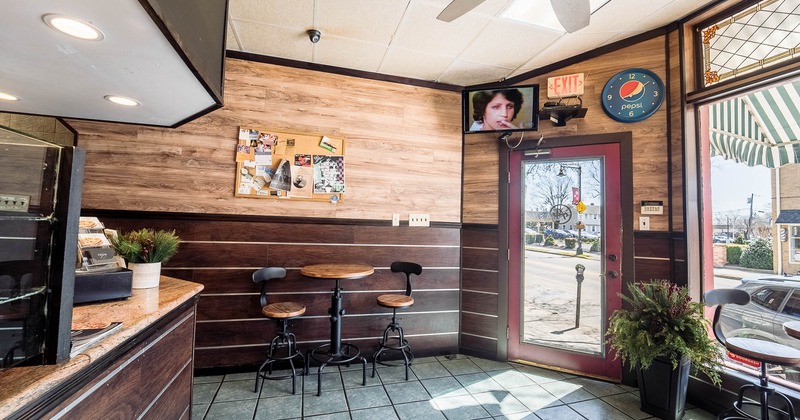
{"type": "Point", "coordinates": [285, 62]}
{"type": "Point", "coordinates": [479, 226]}
{"type": "Point", "coordinates": [146, 215]}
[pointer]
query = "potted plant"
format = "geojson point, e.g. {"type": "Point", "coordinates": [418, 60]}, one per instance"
{"type": "Point", "coordinates": [145, 250]}
{"type": "Point", "coordinates": [661, 332]}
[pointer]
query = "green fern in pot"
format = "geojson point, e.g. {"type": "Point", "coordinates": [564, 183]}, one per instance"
{"type": "Point", "coordinates": [146, 245]}
{"type": "Point", "coordinates": [662, 321]}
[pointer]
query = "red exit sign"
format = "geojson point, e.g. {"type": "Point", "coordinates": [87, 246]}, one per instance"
{"type": "Point", "coordinates": [565, 86]}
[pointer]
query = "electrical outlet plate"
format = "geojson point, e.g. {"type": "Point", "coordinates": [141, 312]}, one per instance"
{"type": "Point", "coordinates": [419, 219]}
{"type": "Point", "coordinates": [18, 203]}
{"type": "Point", "coordinates": [395, 219]}
{"type": "Point", "coordinates": [644, 223]}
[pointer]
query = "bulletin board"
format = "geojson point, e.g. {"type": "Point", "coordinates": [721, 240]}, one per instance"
{"type": "Point", "coordinates": [272, 164]}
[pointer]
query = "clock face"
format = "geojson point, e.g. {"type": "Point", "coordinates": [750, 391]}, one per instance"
{"type": "Point", "coordinates": [632, 95]}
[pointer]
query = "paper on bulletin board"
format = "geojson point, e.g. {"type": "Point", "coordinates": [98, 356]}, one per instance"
{"type": "Point", "coordinates": [272, 164]}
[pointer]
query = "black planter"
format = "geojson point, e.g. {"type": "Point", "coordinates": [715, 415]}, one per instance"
{"type": "Point", "coordinates": [662, 389]}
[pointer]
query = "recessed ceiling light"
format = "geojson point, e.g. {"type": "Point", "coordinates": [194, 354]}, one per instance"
{"type": "Point", "coordinates": [73, 27]}
{"type": "Point", "coordinates": [121, 100]}
{"type": "Point", "coordinates": [8, 97]}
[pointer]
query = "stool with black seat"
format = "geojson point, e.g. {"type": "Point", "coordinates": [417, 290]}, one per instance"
{"type": "Point", "coordinates": [397, 302]}
{"type": "Point", "coordinates": [282, 312]}
{"type": "Point", "coordinates": [762, 351]}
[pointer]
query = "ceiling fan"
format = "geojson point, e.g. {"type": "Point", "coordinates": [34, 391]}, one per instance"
{"type": "Point", "coordinates": [572, 14]}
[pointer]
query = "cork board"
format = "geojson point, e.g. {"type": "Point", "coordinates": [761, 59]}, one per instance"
{"type": "Point", "coordinates": [279, 165]}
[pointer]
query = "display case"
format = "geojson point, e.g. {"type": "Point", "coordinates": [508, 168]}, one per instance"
{"type": "Point", "coordinates": [40, 190]}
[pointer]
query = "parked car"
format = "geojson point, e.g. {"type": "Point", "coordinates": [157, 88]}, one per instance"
{"type": "Point", "coordinates": [556, 233]}
{"type": "Point", "coordinates": [720, 239]}
{"type": "Point", "coordinates": [774, 300]}
{"type": "Point", "coordinates": [589, 235]}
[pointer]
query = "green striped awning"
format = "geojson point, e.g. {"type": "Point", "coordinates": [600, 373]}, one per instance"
{"type": "Point", "coordinates": [761, 128]}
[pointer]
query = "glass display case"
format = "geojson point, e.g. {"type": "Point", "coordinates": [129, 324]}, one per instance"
{"type": "Point", "coordinates": [40, 190]}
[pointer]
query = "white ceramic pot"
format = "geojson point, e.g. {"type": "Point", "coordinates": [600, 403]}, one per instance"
{"type": "Point", "coordinates": [145, 275]}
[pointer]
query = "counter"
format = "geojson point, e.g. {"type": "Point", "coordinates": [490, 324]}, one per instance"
{"type": "Point", "coordinates": [152, 319]}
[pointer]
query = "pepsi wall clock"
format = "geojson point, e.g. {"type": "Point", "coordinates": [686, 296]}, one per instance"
{"type": "Point", "coordinates": [632, 95]}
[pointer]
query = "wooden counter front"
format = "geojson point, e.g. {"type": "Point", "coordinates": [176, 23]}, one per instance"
{"type": "Point", "coordinates": [145, 366]}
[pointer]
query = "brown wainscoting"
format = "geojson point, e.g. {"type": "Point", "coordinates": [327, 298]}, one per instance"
{"type": "Point", "coordinates": [480, 298]}
{"type": "Point", "coordinates": [222, 251]}
{"type": "Point", "coordinates": [660, 255]}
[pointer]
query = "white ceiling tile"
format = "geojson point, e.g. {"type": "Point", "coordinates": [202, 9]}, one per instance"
{"type": "Point", "coordinates": [505, 43]}
{"type": "Point", "coordinates": [568, 46]}
{"type": "Point", "coordinates": [351, 19]}
{"type": "Point", "coordinates": [405, 62]}
{"type": "Point", "coordinates": [273, 41]}
{"type": "Point", "coordinates": [465, 73]}
{"type": "Point", "coordinates": [619, 15]}
{"type": "Point", "coordinates": [665, 15]}
{"type": "Point", "coordinates": [420, 30]}
{"type": "Point", "coordinates": [349, 53]}
{"type": "Point", "coordinates": [290, 14]}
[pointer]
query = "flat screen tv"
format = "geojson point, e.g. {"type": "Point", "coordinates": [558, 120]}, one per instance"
{"type": "Point", "coordinates": [506, 109]}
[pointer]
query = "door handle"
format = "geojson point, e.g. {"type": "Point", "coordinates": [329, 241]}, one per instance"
{"type": "Point", "coordinates": [613, 274]}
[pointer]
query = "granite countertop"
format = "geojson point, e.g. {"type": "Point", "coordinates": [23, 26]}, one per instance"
{"type": "Point", "coordinates": [21, 385]}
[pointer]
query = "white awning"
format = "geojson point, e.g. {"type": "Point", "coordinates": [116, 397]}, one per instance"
{"type": "Point", "coordinates": [761, 128]}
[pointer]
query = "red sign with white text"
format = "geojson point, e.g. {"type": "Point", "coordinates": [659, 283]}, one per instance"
{"type": "Point", "coordinates": [742, 359]}
{"type": "Point", "coordinates": [565, 86]}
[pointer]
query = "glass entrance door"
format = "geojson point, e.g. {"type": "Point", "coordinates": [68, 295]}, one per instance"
{"type": "Point", "coordinates": [564, 272]}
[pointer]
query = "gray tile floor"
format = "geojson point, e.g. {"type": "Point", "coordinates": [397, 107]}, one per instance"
{"type": "Point", "coordinates": [437, 388]}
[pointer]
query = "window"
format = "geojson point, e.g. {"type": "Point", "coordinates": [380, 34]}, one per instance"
{"type": "Point", "coordinates": [769, 298]}
{"type": "Point", "coordinates": [792, 307]}
{"type": "Point", "coordinates": [761, 36]}
{"type": "Point", "coordinates": [794, 243]}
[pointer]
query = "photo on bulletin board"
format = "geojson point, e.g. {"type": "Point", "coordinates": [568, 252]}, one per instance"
{"type": "Point", "coordinates": [272, 164]}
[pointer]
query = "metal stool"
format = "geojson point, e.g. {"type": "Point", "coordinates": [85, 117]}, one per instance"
{"type": "Point", "coordinates": [395, 302]}
{"type": "Point", "coordinates": [281, 312]}
{"type": "Point", "coordinates": [762, 351]}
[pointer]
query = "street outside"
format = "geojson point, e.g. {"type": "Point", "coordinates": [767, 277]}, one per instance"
{"type": "Point", "coordinates": [550, 298]}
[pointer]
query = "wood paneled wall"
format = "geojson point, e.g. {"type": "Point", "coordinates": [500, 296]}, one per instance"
{"type": "Point", "coordinates": [222, 252]}
{"type": "Point", "coordinates": [650, 163]}
{"type": "Point", "coordinates": [657, 161]}
{"type": "Point", "coordinates": [403, 148]}
{"type": "Point", "coordinates": [480, 292]}
{"type": "Point", "coordinates": [403, 156]}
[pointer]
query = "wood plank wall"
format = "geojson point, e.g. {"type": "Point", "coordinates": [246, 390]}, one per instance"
{"type": "Point", "coordinates": [651, 170]}
{"type": "Point", "coordinates": [403, 148]}
{"type": "Point", "coordinates": [222, 252]}
{"type": "Point", "coordinates": [480, 291]}
{"type": "Point", "coordinates": [657, 175]}
{"type": "Point", "coordinates": [403, 156]}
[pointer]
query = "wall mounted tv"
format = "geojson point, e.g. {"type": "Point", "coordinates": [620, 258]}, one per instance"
{"type": "Point", "coordinates": [506, 109]}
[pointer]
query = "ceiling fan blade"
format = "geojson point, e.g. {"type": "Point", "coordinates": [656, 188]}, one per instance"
{"type": "Point", "coordinates": [457, 8]}
{"type": "Point", "coordinates": [572, 14]}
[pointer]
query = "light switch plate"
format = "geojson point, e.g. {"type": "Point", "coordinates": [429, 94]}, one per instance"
{"type": "Point", "coordinates": [395, 219]}
{"type": "Point", "coordinates": [644, 223]}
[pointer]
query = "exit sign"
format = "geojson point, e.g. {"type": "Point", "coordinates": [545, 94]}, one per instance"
{"type": "Point", "coordinates": [565, 86]}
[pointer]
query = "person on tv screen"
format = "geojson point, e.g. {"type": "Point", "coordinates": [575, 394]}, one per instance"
{"type": "Point", "coordinates": [495, 109]}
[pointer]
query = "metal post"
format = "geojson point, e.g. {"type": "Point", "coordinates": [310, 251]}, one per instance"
{"type": "Point", "coordinates": [579, 269]}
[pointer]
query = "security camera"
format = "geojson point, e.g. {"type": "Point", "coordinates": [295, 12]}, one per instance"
{"type": "Point", "coordinates": [314, 35]}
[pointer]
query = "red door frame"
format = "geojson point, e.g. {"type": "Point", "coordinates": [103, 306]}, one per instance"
{"type": "Point", "coordinates": [606, 367]}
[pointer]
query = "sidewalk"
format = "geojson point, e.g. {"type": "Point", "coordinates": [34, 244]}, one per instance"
{"type": "Point", "coordinates": [737, 273]}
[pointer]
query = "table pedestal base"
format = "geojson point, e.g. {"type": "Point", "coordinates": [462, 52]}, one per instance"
{"type": "Point", "coordinates": [347, 354]}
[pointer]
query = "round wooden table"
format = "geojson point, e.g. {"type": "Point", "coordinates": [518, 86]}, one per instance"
{"type": "Point", "coordinates": [336, 352]}
{"type": "Point", "coordinates": [792, 328]}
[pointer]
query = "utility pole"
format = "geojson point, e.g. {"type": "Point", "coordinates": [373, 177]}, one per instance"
{"type": "Point", "coordinates": [750, 220]}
